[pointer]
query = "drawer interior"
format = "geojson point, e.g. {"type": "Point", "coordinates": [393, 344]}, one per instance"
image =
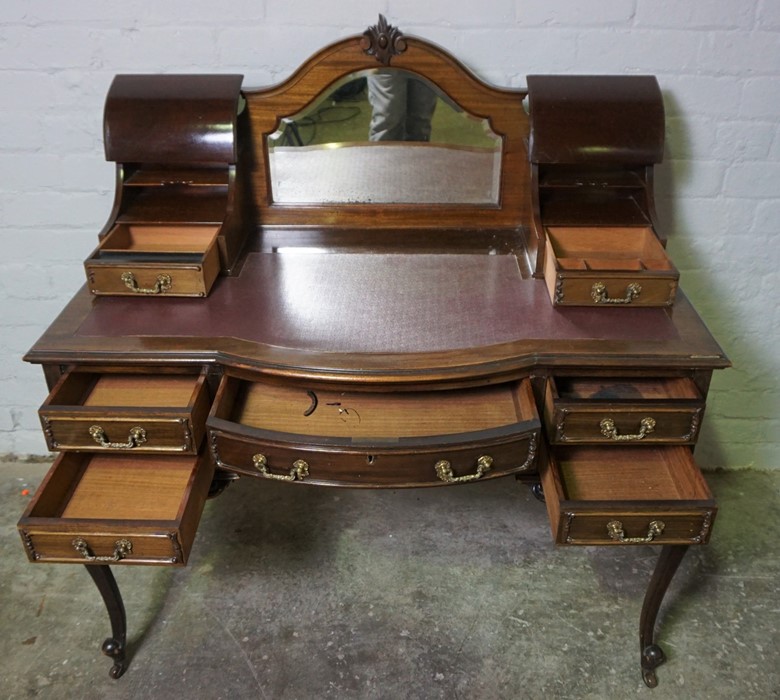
{"type": "Point", "coordinates": [116, 487]}
{"type": "Point", "coordinates": [629, 474]}
{"type": "Point", "coordinates": [124, 390]}
{"type": "Point", "coordinates": [626, 389]}
{"type": "Point", "coordinates": [613, 248]}
{"type": "Point", "coordinates": [378, 416]}
{"type": "Point", "coordinates": [137, 238]}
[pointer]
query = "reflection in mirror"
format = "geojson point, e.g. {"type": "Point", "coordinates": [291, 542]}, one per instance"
{"type": "Point", "coordinates": [386, 136]}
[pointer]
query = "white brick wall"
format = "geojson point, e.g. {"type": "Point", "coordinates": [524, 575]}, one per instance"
{"type": "Point", "coordinates": [718, 63]}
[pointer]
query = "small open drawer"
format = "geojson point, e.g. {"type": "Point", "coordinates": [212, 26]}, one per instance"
{"type": "Point", "coordinates": [155, 260]}
{"type": "Point", "coordinates": [622, 495]}
{"type": "Point", "coordinates": [117, 509]}
{"type": "Point", "coordinates": [622, 410]}
{"type": "Point", "coordinates": [608, 266]}
{"type": "Point", "coordinates": [121, 411]}
{"type": "Point", "coordinates": [391, 439]}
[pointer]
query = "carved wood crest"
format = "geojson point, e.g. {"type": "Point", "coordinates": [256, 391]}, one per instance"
{"type": "Point", "coordinates": [383, 41]}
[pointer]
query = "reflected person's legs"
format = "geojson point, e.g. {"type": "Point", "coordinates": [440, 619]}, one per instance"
{"type": "Point", "coordinates": [420, 103]}
{"type": "Point", "coordinates": [387, 96]}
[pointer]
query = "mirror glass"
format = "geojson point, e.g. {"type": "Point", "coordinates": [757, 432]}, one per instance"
{"type": "Point", "coordinates": [386, 136]}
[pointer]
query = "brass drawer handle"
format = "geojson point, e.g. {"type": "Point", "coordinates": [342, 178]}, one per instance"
{"type": "Point", "coordinates": [121, 549]}
{"type": "Point", "coordinates": [600, 295]}
{"type": "Point", "coordinates": [162, 285]}
{"type": "Point", "coordinates": [444, 470]}
{"type": "Point", "coordinates": [608, 430]}
{"type": "Point", "coordinates": [136, 438]}
{"type": "Point", "coordinates": [299, 471]}
{"type": "Point", "coordinates": [615, 532]}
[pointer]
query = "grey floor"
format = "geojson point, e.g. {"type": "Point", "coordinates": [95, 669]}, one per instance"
{"type": "Point", "coordinates": [294, 592]}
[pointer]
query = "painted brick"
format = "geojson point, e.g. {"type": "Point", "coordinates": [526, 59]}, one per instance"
{"type": "Point", "coordinates": [638, 51]}
{"type": "Point", "coordinates": [695, 14]}
{"type": "Point", "coordinates": [744, 139]}
{"type": "Point", "coordinates": [573, 13]}
{"type": "Point", "coordinates": [761, 97]}
{"type": "Point", "coordinates": [735, 53]}
{"type": "Point", "coordinates": [413, 16]}
{"type": "Point", "coordinates": [753, 180]}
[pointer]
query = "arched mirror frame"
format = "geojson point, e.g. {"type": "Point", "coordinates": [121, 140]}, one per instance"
{"type": "Point", "coordinates": [502, 107]}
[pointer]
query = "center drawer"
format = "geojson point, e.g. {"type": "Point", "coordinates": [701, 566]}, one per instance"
{"type": "Point", "coordinates": [373, 439]}
{"type": "Point", "coordinates": [120, 411]}
{"type": "Point", "coordinates": [622, 410]}
{"type": "Point", "coordinates": [117, 509]}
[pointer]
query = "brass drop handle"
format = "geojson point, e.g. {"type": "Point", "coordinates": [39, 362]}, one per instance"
{"type": "Point", "coordinates": [600, 295]}
{"type": "Point", "coordinates": [135, 438]}
{"type": "Point", "coordinates": [615, 532]}
{"type": "Point", "coordinates": [121, 549]}
{"type": "Point", "coordinates": [162, 285]}
{"type": "Point", "coordinates": [444, 470]}
{"type": "Point", "coordinates": [299, 471]}
{"type": "Point", "coordinates": [608, 429]}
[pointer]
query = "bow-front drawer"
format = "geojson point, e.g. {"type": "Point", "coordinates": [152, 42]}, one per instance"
{"type": "Point", "coordinates": [121, 411]}
{"type": "Point", "coordinates": [624, 495]}
{"type": "Point", "coordinates": [622, 410]}
{"type": "Point", "coordinates": [356, 438]}
{"type": "Point", "coordinates": [117, 509]}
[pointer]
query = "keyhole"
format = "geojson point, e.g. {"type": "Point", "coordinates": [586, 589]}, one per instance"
{"type": "Point", "coordinates": [370, 459]}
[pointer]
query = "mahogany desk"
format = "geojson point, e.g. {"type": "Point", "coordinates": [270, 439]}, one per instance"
{"type": "Point", "coordinates": [373, 345]}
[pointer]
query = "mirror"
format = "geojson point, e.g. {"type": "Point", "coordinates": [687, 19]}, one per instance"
{"type": "Point", "coordinates": [384, 136]}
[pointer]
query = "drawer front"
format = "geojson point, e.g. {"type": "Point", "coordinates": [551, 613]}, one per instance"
{"type": "Point", "coordinates": [616, 421]}
{"type": "Point", "coordinates": [154, 279]}
{"type": "Point", "coordinates": [374, 465]}
{"type": "Point", "coordinates": [120, 412]}
{"type": "Point", "coordinates": [140, 433]}
{"type": "Point", "coordinates": [619, 526]}
{"type": "Point", "coordinates": [611, 289]}
{"type": "Point", "coordinates": [111, 546]}
{"type": "Point", "coordinates": [628, 496]}
{"type": "Point", "coordinates": [117, 509]}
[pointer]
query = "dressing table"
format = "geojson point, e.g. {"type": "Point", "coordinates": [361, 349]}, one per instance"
{"type": "Point", "coordinates": [269, 301]}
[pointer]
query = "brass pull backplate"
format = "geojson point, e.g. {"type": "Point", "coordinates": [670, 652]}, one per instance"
{"type": "Point", "coordinates": [600, 295]}
{"type": "Point", "coordinates": [444, 470]}
{"type": "Point", "coordinates": [121, 549]}
{"type": "Point", "coordinates": [615, 532]}
{"type": "Point", "coordinates": [162, 285]}
{"type": "Point", "coordinates": [299, 471]}
{"type": "Point", "coordinates": [135, 438]}
{"type": "Point", "coordinates": [608, 430]}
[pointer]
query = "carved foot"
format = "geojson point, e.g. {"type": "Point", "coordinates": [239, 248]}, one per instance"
{"type": "Point", "coordinates": [652, 657]}
{"type": "Point", "coordinates": [538, 492]}
{"type": "Point", "coordinates": [115, 649]}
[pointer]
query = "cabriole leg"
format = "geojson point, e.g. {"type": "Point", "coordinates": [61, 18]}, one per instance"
{"type": "Point", "coordinates": [651, 655]}
{"type": "Point", "coordinates": [114, 646]}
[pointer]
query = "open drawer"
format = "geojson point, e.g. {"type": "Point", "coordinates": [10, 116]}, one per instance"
{"type": "Point", "coordinates": [120, 411]}
{"type": "Point", "coordinates": [373, 439]}
{"type": "Point", "coordinates": [622, 410]}
{"type": "Point", "coordinates": [117, 509]}
{"type": "Point", "coordinates": [608, 266]}
{"type": "Point", "coordinates": [155, 260]}
{"type": "Point", "coordinates": [622, 495]}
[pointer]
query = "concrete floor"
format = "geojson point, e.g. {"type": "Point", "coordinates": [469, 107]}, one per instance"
{"type": "Point", "coordinates": [294, 592]}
